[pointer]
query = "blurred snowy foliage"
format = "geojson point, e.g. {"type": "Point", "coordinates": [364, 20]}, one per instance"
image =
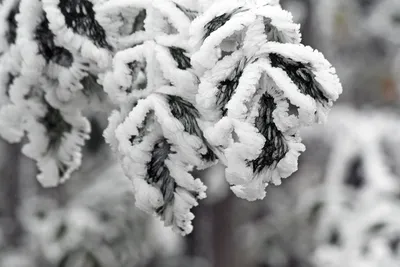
{"type": "Point", "coordinates": [361, 39]}
{"type": "Point", "coordinates": [100, 226]}
{"type": "Point", "coordinates": [348, 213]}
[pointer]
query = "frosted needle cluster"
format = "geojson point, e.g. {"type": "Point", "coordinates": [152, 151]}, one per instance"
{"type": "Point", "coordinates": [191, 83]}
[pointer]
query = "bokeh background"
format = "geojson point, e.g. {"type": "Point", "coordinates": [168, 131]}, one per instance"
{"type": "Point", "coordinates": [342, 207]}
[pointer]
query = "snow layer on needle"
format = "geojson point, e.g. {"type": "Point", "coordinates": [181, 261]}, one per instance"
{"type": "Point", "coordinates": [263, 148]}
{"type": "Point", "coordinates": [314, 60]}
{"type": "Point", "coordinates": [76, 28]}
{"type": "Point", "coordinates": [124, 21]}
{"type": "Point", "coordinates": [209, 31]}
{"type": "Point", "coordinates": [148, 19]}
{"type": "Point", "coordinates": [114, 120]}
{"type": "Point", "coordinates": [160, 142]}
{"type": "Point", "coordinates": [229, 25]}
{"type": "Point", "coordinates": [55, 142]}
{"type": "Point", "coordinates": [173, 56]}
{"type": "Point", "coordinates": [272, 24]}
{"type": "Point", "coordinates": [218, 85]}
{"type": "Point", "coordinates": [309, 71]}
{"type": "Point", "coordinates": [141, 70]}
{"type": "Point", "coordinates": [189, 7]}
{"type": "Point", "coordinates": [135, 74]}
{"type": "Point", "coordinates": [174, 16]}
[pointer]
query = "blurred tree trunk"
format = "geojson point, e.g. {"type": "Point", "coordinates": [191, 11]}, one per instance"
{"type": "Point", "coordinates": [10, 193]}
{"type": "Point", "coordinates": [224, 245]}
{"type": "Point", "coordinates": [214, 235]}
{"type": "Point", "coordinates": [307, 27]}
{"type": "Point", "coordinates": [199, 242]}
